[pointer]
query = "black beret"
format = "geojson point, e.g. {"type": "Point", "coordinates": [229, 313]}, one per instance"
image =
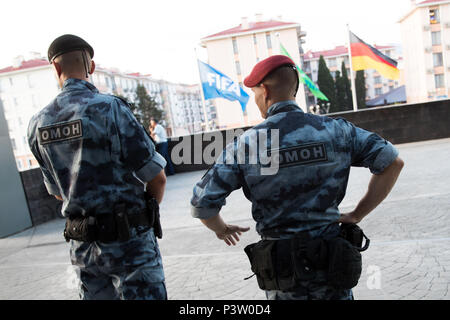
{"type": "Point", "coordinates": [67, 43]}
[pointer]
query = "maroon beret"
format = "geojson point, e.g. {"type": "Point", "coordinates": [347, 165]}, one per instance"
{"type": "Point", "coordinates": [264, 67]}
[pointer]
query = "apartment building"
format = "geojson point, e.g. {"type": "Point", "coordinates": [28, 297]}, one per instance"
{"type": "Point", "coordinates": [29, 85]}
{"type": "Point", "coordinates": [235, 51]}
{"type": "Point", "coordinates": [187, 115]}
{"type": "Point", "coordinates": [376, 84]}
{"type": "Point", "coordinates": [425, 33]}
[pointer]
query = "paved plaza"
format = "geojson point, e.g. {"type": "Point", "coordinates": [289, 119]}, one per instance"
{"type": "Point", "coordinates": [409, 255]}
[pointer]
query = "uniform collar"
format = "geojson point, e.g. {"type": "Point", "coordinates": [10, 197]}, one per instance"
{"type": "Point", "coordinates": [78, 84]}
{"type": "Point", "coordinates": [283, 106]}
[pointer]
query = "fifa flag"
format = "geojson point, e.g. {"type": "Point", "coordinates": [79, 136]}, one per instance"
{"type": "Point", "coordinates": [367, 57]}
{"type": "Point", "coordinates": [217, 85]}
{"type": "Point", "coordinates": [305, 79]}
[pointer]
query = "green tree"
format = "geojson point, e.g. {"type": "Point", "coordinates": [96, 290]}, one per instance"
{"type": "Point", "coordinates": [341, 101]}
{"type": "Point", "coordinates": [348, 88]}
{"type": "Point", "coordinates": [145, 107]}
{"type": "Point", "coordinates": [326, 84]}
{"type": "Point", "coordinates": [360, 84]}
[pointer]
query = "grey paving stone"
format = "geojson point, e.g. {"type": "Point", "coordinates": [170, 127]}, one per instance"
{"type": "Point", "coordinates": [409, 232]}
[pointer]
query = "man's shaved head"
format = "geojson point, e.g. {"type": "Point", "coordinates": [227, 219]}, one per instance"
{"type": "Point", "coordinates": [282, 82]}
{"type": "Point", "coordinates": [72, 62]}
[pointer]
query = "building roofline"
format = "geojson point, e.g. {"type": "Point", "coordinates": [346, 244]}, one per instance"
{"type": "Point", "coordinates": [423, 5]}
{"type": "Point", "coordinates": [250, 31]}
{"type": "Point", "coordinates": [13, 72]}
{"type": "Point", "coordinates": [379, 47]}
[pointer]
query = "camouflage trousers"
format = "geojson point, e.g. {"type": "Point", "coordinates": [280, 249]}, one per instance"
{"type": "Point", "coordinates": [120, 270]}
{"type": "Point", "coordinates": [316, 289]}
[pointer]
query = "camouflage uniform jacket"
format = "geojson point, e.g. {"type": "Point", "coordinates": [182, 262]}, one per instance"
{"type": "Point", "coordinates": [315, 154]}
{"type": "Point", "coordinates": [92, 151]}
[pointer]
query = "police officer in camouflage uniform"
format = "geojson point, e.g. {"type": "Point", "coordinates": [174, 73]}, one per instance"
{"type": "Point", "coordinates": [315, 154]}
{"type": "Point", "coordinates": [94, 155]}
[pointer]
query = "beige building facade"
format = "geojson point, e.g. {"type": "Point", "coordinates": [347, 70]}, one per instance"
{"type": "Point", "coordinates": [29, 85]}
{"type": "Point", "coordinates": [426, 49]}
{"type": "Point", "coordinates": [235, 52]}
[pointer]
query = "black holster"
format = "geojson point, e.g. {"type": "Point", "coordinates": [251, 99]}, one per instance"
{"type": "Point", "coordinates": [153, 214]}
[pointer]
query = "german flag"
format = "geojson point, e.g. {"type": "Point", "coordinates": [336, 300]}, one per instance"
{"type": "Point", "coordinates": [367, 57]}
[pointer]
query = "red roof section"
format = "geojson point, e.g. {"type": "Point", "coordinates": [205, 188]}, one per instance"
{"type": "Point", "coordinates": [431, 1]}
{"type": "Point", "coordinates": [251, 27]}
{"type": "Point", "coordinates": [338, 51]}
{"type": "Point", "coordinates": [26, 65]}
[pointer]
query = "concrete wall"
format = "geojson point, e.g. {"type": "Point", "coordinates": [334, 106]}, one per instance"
{"type": "Point", "coordinates": [14, 215]}
{"type": "Point", "coordinates": [398, 124]}
{"type": "Point", "coordinates": [43, 207]}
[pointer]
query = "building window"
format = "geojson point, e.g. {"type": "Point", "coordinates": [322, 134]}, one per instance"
{"type": "Point", "coordinates": [434, 16]}
{"type": "Point", "coordinates": [255, 42]}
{"type": "Point", "coordinates": [235, 47]}
{"type": "Point", "coordinates": [436, 38]}
{"type": "Point", "coordinates": [378, 91]}
{"type": "Point", "coordinates": [30, 81]}
{"type": "Point", "coordinates": [377, 80]}
{"type": "Point", "coordinates": [238, 68]}
{"type": "Point", "coordinates": [268, 41]}
{"type": "Point", "coordinates": [439, 80]}
{"type": "Point", "coordinates": [11, 82]}
{"type": "Point", "coordinates": [332, 62]}
{"type": "Point", "coordinates": [437, 59]}
{"type": "Point", "coordinates": [19, 164]}
{"type": "Point", "coordinates": [13, 143]}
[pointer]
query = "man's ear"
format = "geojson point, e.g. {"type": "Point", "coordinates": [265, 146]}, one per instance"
{"type": "Point", "coordinates": [58, 68]}
{"type": "Point", "coordinates": [92, 68]}
{"type": "Point", "coordinates": [266, 91]}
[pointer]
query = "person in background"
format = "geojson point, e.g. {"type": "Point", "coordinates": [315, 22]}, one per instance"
{"type": "Point", "coordinates": [158, 133]}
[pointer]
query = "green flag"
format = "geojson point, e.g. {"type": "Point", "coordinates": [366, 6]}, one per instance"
{"type": "Point", "coordinates": [305, 79]}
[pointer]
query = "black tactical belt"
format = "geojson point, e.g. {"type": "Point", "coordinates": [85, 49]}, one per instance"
{"type": "Point", "coordinates": [107, 227]}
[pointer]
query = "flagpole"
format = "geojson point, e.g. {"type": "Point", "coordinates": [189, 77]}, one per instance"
{"type": "Point", "coordinates": [207, 126]}
{"type": "Point", "coordinates": [355, 101]}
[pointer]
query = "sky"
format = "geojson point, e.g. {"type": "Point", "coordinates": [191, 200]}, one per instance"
{"type": "Point", "coordinates": [161, 37]}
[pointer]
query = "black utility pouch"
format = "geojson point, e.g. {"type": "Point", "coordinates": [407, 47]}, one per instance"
{"type": "Point", "coordinates": [303, 268]}
{"type": "Point", "coordinates": [80, 229]}
{"type": "Point", "coordinates": [260, 255]}
{"type": "Point", "coordinates": [285, 267]}
{"type": "Point", "coordinates": [345, 263]}
{"type": "Point", "coordinates": [354, 234]}
{"type": "Point", "coordinates": [122, 225]}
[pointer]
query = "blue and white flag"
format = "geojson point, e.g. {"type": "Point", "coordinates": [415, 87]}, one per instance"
{"type": "Point", "coordinates": [217, 85]}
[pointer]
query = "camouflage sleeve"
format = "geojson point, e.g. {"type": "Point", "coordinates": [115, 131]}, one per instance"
{"type": "Point", "coordinates": [49, 182]}
{"type": "Point", "coordinates": [211, 191]}
{"type": "Point", "coordinates": [132, 145]}
{"type": "Point", "coordinates": [370, 150]}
